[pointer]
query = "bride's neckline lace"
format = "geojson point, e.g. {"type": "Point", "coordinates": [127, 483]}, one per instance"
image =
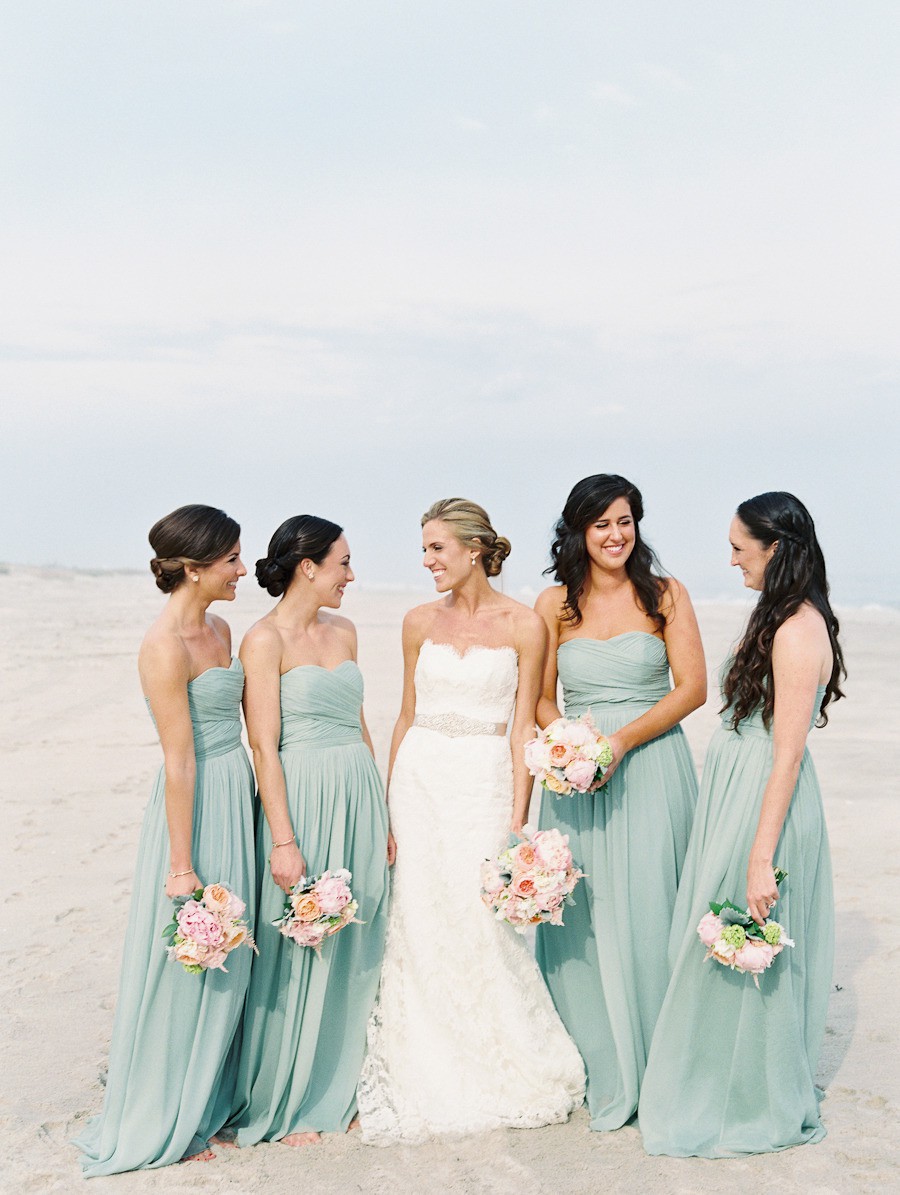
{"type": "Point", "coordinates": [461, 655]}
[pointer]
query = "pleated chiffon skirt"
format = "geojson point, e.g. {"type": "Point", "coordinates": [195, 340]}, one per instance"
{"type": "Point", "coordinates": [732, 1070]}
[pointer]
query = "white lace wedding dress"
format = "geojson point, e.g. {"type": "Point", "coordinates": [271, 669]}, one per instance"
{"type": "Point", "coordinates": [464, 1036]}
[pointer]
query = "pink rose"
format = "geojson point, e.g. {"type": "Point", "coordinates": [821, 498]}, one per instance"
{"type": "Point", "coordinates": [215, 961]}
{"type": "Point", "coordinates": [306, 907]}
{"type": "Point", "coordinates": [332, 893]}
{"type": "Point", "coordinates": [525, 855]}
{"type": "Point", "coordinates": [580, 773]}
{"type": "Point", "coordinates": [709, 928]}
{"type": "Point", "coordinates": [196, 923]}
{"type": "Point", "coordinates": [523, 885]}
{"type": "Point", "coordinates": [235, 936]}
{"type": "Point", "coordinates": [551, 782]}
{"type": "Point", "coordinates": [188, 953]}
{"type": "Point", "coordinates": [216, 897]}
{"type": "Point", "coordinates": [552, 850]}
{"type": "Point", "coordinates": [537, 756]}
{"type": "Point", "coordinates": [305, 935]}
{"type": "Point", "coordinates": [754, 957]}
{"type": "Point", "coordinates": [577, 734]}
{"type": "Point", "coordinates": [560, 754]}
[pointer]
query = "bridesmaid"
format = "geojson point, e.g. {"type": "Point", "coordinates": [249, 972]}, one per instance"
{"type": "Point", "coordinates": [171, 1074]}
{"type": "Point", "coordinates": [616, 629]}
{"type": "Point", "coordinates": [732, 1068]}
{"type": "Point", "coordinates": [305, 1022]}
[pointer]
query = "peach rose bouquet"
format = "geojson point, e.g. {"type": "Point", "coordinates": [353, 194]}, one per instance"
{"type": "Point", "coordinates": [316, 908]}
{"type": "Point", "coordinates": [531, 880]}
{"type": "Point", "coordinates": [569, 756]}
{"type": "Point", "coordinates": [734, 939]}
{"type": "Point", "coordinates": [206, 926]}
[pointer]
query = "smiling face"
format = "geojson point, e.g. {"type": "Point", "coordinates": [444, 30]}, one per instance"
{"type": "Point", "coordinates": [217, 581]}
{"type": "Point", "coordinates": [447, 559]}
{"type": "Point", "coordinates": [609, 539]}
{"type": "Point", "coordinates": [333, 575]}
{"type": "Point", "coordinates": [749, 555]}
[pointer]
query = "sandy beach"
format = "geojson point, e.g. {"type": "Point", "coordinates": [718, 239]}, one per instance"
{"type": "Point", "coordinates": [79, 754]}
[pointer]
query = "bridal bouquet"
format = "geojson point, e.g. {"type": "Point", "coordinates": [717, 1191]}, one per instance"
{"type": "Point", "coordinates": [734, 939]}
{"type": "Point", "coordinates": [530, 881]}
{"type": "Point", "coordinates": [205, 928]}
{"type": "Point", "coordinates": [569, 755]}
{"type": "Point", "coordinates": [318, 907]}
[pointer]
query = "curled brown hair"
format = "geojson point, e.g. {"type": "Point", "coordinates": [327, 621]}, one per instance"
{"type": "Point", "coordinates": [470, 524]}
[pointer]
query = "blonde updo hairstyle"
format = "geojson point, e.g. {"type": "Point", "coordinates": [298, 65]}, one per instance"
{"type": "Point", "coordinates": [470, 524]}
{"type": "Point", "coordinates": [190, 535]}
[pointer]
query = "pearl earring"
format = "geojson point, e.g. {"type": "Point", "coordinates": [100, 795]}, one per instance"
{"type": "Point", "coordinates": [474, 558]}
{"type": "Point", "coordinates": [195, 578]}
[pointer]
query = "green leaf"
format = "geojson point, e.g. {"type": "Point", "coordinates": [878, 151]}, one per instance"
{"type": "Point", "coordinates": [780, 876]}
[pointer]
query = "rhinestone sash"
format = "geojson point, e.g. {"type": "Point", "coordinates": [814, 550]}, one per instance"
{"type": "Point", "coordinates": [457, 726]}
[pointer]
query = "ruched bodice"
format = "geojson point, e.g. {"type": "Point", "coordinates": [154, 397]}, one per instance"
{"type": "Point", "coordinates": [629, 669]}
{"type": "Point", "coordinates": [479, 684]}
{"type": "Point", "coordinates": [214, 702]}
{"type": "Point", "coordinates": [321, 706]}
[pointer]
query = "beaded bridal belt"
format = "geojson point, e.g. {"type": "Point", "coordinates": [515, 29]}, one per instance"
{"type": "Point", "coordinates": [457, 726]}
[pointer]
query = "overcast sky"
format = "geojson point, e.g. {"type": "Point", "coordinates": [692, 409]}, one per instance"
{"type": "Point", "coordinates": [348, 257]}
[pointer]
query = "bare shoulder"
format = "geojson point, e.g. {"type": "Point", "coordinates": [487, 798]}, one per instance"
{"type": "Point", "coordinates": [162, 652]}
{"type": "Point", "coordinates": [341, 625]}
{"type": "Point", "coordinates": [418, 621]}
{"type": "Point", "coordinates": [673, 595]}
{"type": "Point", "coordinates": [805, 628]}
{"type": "Point", "coordinates": [262, 640]}
{"type": "Point", "coordinates": [528, 627]}
{"type": "Point", "coordinates": [551, 602]}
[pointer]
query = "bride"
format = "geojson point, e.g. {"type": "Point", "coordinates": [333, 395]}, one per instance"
{"type": "Point", "coordinates": [464, 1036]}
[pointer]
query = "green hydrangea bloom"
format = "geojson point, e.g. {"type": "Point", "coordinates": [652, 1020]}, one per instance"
{"type": "Point", "coordinates": [772, 933]}
{"type": "Point", "coordinates": [734, 935]}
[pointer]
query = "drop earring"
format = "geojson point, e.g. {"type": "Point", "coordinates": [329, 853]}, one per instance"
{"type": "Point", "coordinates": [474, 558]}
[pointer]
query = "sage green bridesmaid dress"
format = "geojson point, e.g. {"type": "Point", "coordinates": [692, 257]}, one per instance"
{"type": "Point", "coordinates": [606, 967]}
{"type": "Point", "coordinates": [305, 1023]}
{"type": "Point", "coordinates": [732, 1069]}
{"type": "Point", "coordinates": [172, 1066]}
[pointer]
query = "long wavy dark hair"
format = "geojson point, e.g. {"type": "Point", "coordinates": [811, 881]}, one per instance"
{"type": "Point", "coordinates": [587, 501]}
{"type": "Point", "coordinates": [794, 575]}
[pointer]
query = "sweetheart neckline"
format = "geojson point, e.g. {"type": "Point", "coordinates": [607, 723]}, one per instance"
{"type": "Point", "coordinates": [216, 668]}
{"type": "Point", "coordinates": [461, 655]}
{"type": "Point", "coordinates": [611, 639]}
{"type": "Point", "coordinates": [320, 667]}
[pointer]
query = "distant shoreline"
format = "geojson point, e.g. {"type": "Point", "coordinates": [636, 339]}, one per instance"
{"type": "Point", "coordinates": [524, 593]}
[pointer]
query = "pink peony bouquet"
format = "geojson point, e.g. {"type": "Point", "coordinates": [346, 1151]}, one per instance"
{"type": "Point", "coordinates": [569, 755]}
{"type": "Point", "coordinates": [734, 939]}
{"type": "Point", "coordinates": [316, 908]}
{"type": "Point", "coordinates": [532, 880]}
{"type": "Point", "coordinates": [206, 927]}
